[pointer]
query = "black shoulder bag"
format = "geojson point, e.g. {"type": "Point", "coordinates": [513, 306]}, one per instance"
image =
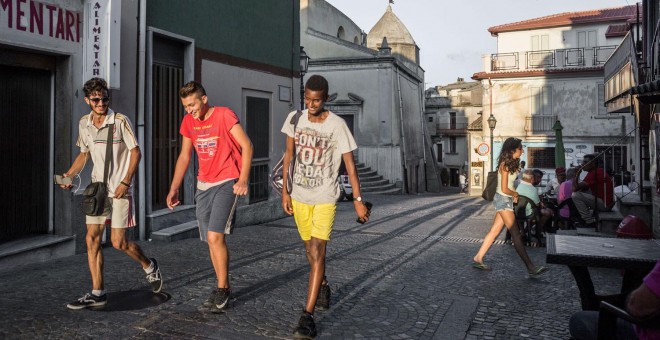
{"type": "Point", "coordinates": [491, 186]}
{"type": "Point", "coordinates": [96, 194]}
{"type": "Point", "coordinates": [276, 175]}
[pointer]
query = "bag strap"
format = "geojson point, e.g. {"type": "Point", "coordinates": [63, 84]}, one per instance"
{"type": "Point", "coordinates": [108, 152]}
{"type": "Point", "coordinates": [294, 120]}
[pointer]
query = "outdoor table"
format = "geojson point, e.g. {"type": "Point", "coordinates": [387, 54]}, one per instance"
{"type": "Point", "coordinates": [636, 256]}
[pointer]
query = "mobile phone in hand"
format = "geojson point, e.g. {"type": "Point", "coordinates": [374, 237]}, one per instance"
{"type": "Point", "coordinates": [369, 206]}
{"type": "Point", "coordinates": [61, 180]}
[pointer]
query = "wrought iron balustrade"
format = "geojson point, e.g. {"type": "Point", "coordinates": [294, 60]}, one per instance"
{"type": "Point", "coordinates": [540, 124]}
{"type": "Point", "coordinates": [541, 59]}
{"type": "Point", "coordinates": [549, 59]}
{"type": "Point", "coordinates": [451, 128]}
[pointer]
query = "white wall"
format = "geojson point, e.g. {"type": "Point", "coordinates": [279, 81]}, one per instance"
{"type": "Point", "coordinates": [226, 86]}
{"type": "Point", "coordinates": [559, 37]}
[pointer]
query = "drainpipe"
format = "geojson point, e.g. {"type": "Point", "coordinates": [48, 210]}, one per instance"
{"type": "Point", "coordinates": [403, 136]}
{"type": "Point", "coordinates": [142, 42]}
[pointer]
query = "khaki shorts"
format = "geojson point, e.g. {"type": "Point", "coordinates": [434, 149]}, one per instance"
{"type": "Point", "coordinates": [119, 211]}
{"type": "Point", "coordinates": [314, 220]}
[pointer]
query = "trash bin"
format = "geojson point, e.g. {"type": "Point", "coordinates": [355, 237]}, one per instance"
{"type": "Point", "coordinates": [633, 227]}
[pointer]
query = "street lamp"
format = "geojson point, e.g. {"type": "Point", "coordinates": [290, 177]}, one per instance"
{"type": "Point", "coordinates": [304, 63]}
{"type": "Point", "coordinates": [491, 124]}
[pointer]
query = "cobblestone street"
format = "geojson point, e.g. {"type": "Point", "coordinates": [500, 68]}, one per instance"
{"type": "Point", "coordinates": [405, 274]}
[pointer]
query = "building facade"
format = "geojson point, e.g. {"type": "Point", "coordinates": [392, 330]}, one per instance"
{"type": "Point", "coordinates": [450, 110]}
{"type": "Point", "coordinates": [376, 85]}
{"type": "Point", "coordinates": [550, 69]}
{"type": "Point", "coordinates": [632, 87]}
{"type": "Point", "coordinates": [146, 51]}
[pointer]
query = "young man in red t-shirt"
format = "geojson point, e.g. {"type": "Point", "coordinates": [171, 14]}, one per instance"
{"type": "Point", "coordinates": [595, 192]}
{"type": "Point", "coordinates": [224, 152]}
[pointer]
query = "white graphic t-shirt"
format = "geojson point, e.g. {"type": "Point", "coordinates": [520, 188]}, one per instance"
{"type": "Point", "coordinates": [94, 141]}
{"type": "Point", "coordinates": [319, 148]}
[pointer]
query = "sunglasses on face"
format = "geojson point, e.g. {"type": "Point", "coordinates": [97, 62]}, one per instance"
{"type": "Point", "coordinates": [96, 100]}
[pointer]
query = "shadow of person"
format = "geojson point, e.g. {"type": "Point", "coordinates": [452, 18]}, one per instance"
{"type": "Point", "coordinates": [134, 300]}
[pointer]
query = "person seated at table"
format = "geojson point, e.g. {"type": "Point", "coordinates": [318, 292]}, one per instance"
{"type": "Point", "coordinates": [527, 189]}
{"type": "Point", "coordinates": [565, 192]}
{"type": "Point", "coordinates": [553, 184]}
{"type": "Point", "coordinates": [641, 302]}
{"type": "Point", "coordinates": [595, 192]}
{"type": "Point", "coordinates": [538, 177]}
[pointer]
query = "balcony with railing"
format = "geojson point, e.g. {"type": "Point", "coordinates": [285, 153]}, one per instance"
{"type": "Point", "coordinates": [452, 129]}
{"type": "Point", "coordinates": [539, 124]}
{"type": "Point", "coordinates": [565, 58]}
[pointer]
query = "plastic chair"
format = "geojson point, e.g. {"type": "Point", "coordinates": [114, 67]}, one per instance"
{"type": "Point", "coordinates": [527, 223]}
{"type": "Point", "coordinates": [573, 219]}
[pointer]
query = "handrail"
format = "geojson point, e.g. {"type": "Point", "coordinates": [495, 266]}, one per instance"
{"type": "Point", "coordinates": [597, 157]}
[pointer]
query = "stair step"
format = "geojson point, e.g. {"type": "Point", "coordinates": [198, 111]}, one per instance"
{"type": "Point", "coordinates": [37, 248]}
{"type": "Point", "coordinates": [592, 232]}
{"type": "Point", "coordinates": [178, 232]}
{"type": "Point", "coordinates": [379, 188]}
{"type": "Point", "coordinates": [393, 191]}
{"type": "Point", "coordinates": [370, 178]}
{"type": "Point", "coordinates": [609, 221]}
{"type": "Point", "coordinates": [367, 173]}
{"type": "Point", "coordinates": [367, 184]}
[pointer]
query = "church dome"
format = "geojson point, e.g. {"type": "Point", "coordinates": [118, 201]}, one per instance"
{"type": "Point", "coordinates": [389, 26]}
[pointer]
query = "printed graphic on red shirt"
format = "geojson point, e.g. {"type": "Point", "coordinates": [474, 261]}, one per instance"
{"type": "Point", "coordinates": [206, 147]}
{"type": "Point", "coordinates": [314, 152]}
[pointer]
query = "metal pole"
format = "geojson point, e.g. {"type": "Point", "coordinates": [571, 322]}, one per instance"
{"type": "Point", "coordinates": [491, 150]}
{"type": "Point", "coordinates": [490, 90]}
{"type": "Point", "coordinates": [302, 92]}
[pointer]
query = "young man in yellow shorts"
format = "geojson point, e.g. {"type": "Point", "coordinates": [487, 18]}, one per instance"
{"type": "Point", "coordinates": [321, 141]}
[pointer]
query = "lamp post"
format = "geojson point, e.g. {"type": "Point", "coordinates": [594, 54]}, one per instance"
{"type": "Point", "coordinates": [491, 124]}
{"type": "Point", "coordinates": [304, 63]}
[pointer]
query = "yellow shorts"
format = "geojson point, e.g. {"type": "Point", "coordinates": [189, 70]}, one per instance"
{"type": "Point", "coordinates": [314, 220]}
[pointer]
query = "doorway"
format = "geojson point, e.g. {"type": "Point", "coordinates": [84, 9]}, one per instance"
{"type": "Point", "coordinates": [25, 116]}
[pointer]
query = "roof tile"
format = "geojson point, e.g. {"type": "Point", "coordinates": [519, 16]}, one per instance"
{"type": "Point", "coordinates": [624, 13]}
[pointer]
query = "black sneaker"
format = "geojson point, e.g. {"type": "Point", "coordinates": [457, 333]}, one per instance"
{"type": "Point", "coordinates": [306, 328]}
{"type": "Point", "coordinates": [155, 279]}
{"type": "Point", "coordinates": [222, 298]}
{"type": "Point", "coordinates": [210, 302]}
{"type": "Point", "coordinates": [323, 300]}
{"type": "Point", "coordinates": [87, 301]}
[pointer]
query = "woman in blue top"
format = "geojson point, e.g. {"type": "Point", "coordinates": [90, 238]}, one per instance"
{"type": "Point", "coordinates": [505, 197]}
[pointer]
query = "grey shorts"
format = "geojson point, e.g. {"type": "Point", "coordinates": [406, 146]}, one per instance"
{"type": "Point", "coordinates": [216, 209]}
{"type": "Point", "coordinates": [502, 202]}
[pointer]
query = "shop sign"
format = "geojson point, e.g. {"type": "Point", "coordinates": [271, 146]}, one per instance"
{"type": "Point", "coordinates": [102, 43]}
{"type": "Point", "coordinates": [41, 18]}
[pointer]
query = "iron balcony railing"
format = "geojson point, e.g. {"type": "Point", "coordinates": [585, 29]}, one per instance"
{"type": "Point", "coordinates": [549, 59]}
{"type": "Point", "coordinates": [451, 128]}
{"type": "Point", "coordinates": [540, 124]}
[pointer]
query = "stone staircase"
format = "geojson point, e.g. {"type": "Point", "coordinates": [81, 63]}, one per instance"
{"type": "Point", "coordinates": [630, 205]}
{"type": "Point", "coordinates": [373, 183]}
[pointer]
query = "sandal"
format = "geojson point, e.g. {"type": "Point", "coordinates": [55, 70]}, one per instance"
{"type": "Point", "coordinates": [481, 266]}
{"type": "Point", "coordinates": [538, 271]}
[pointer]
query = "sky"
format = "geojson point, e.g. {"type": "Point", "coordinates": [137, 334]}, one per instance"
{"type": "Point", "coordinates": [435, 25]}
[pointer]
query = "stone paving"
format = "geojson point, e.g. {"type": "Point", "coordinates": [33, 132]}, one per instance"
{"type": "Point", "coordinates": [404, 275]}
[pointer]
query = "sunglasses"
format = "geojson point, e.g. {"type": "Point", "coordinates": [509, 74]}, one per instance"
{"type": "Point", "coordinates": [96, 100]}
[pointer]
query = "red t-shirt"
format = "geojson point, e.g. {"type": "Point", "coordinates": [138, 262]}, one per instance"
{"type": "Point", "coordinates": [218, 152]}
{"type": "Point", "coordinates": [603, 188]}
